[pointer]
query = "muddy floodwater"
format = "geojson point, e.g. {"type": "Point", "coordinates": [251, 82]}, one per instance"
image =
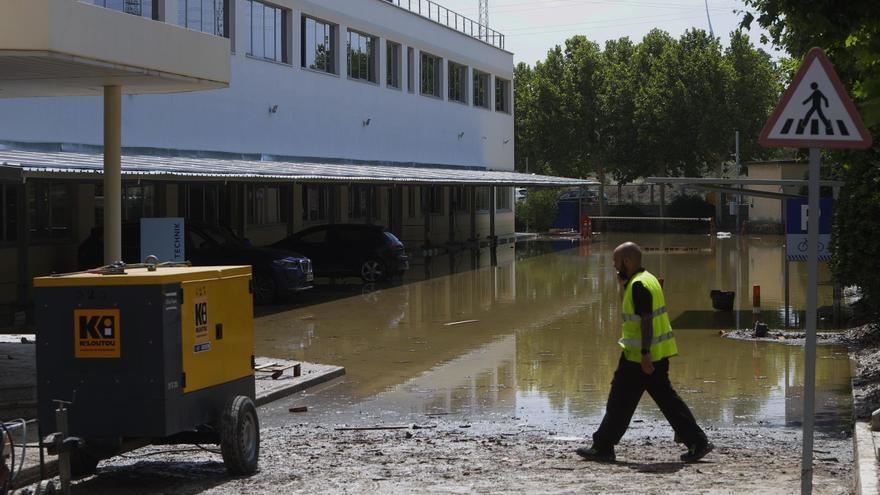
{"type": "Point", "coordinates": [534, 338]}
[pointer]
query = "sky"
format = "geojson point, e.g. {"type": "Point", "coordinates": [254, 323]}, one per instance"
{"type": "Point", "coordinates": [531, 28]}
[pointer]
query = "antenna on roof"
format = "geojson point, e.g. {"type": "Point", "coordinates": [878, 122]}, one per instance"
{"type": "Point", "coordinates": [711, 33]}
{"type": "Point", "coordinates": [484, 19]}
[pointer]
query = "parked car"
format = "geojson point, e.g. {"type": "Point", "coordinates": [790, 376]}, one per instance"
{"type": "Point", "coordinates": [277, 273]}
{"type": "Point", "coordinates": [370, 252]}
{"type": "Point", "coordinates": [589, 196]}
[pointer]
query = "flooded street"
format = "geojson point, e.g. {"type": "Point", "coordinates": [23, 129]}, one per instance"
{"type": "Point", "coordinates": [468, 378]}
{"type": "Point", "coordinates": [535, 339]}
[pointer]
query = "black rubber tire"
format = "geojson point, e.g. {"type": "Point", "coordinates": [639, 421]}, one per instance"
{"type": "Point", "coordinates": [265, 288]}
{"type": "Point", "coordinates": [46, 487]}
{"type": "Point", "coordinates": [240, 436]}
{"type": "Point", "coordinates": [373, 270]}
{"type": "Point", "coordinates": [82, 464]}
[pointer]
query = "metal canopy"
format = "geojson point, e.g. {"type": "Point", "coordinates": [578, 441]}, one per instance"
{"type": "Point", "coordinates": [24, 164]}
{"type": "Point", "coordinates": [743, 182]}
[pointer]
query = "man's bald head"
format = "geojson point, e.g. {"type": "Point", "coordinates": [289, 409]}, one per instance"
{"type": "Point", "coordinates": [629, 250]}
{"type": "Point", "coordinates": [627, 258]}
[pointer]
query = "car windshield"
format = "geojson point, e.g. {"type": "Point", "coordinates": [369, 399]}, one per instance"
{"type": "Point", "coordinates": [221, 237]}
{"type": "Point", "coordinates": [391, 237]}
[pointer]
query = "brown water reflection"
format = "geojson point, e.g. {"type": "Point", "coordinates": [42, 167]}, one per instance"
{"type": "Point", "coordinates": [535, 336]}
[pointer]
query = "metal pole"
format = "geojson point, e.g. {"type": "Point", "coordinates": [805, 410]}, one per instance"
{"type": "Point", "coordinates": [787, 299]}
{"type": "Point", "coordinates": [112, 174]}
{"type": "Point", "coordinates": [837, 288]}
{"type": "Point", "coordinates": [810, 354]}
{"type": "Point", "coordinates": [787, 268]}
{"type": "Point", "coordinates": [738, 196]}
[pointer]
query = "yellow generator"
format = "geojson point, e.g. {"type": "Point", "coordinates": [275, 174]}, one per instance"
{"type": "Point", "coordinates": [148, 355]}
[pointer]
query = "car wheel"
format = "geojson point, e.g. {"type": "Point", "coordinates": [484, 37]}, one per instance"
{"type": "Point", "coordinates": [373, 270]}
{"type": "Point", "coordinates": [265, 288]}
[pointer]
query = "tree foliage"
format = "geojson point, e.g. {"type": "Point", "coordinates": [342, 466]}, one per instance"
{"type": "Point", "coordinates": [849, 33]}
{"type": "Point", "coordinates": [661, 106]}
{"type": "Point", "coordinates": [538, 210]}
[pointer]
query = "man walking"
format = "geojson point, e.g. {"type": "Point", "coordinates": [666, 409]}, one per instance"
{"type": "Point", "coordinates": [647, 343]}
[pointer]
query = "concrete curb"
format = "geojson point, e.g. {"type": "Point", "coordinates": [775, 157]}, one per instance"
{"type": "Point", "coordinates": [865, 473]}
{"type": "Point", "coordinates": [308, 382]}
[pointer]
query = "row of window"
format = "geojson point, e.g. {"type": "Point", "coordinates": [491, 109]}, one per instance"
{"type": "Point", "coordinates": [319, 49]}
{"type": "Point", "coordinates": [268, 34]}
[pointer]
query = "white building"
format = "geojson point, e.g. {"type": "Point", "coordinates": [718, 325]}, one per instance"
{"type": "Point", "coordinates": [396, 112]}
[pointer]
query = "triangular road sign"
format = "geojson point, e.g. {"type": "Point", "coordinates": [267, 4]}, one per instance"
{"type": "Point", "coordinates": [815, 111]}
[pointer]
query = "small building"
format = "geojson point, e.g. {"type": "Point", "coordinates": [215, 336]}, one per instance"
{"type": "Point", "coordinates": [768, 211]}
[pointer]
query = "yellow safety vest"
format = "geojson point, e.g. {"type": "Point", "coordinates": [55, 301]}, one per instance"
{"type": "Point", "coordinates": [663, 341]}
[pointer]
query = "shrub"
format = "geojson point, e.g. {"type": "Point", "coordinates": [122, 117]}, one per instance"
{"type": "Point", "coordinates": [626, 210]}
{"type": "Point", "coordinates": [687, 206]}
{"type": "Point", "coordinates": [538, 210]}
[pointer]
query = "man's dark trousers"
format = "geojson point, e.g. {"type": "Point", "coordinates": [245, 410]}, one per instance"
{"type": "Point", "coordinates": [626, 390]}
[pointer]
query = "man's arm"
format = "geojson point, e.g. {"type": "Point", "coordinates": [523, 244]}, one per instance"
{"type": "Point", "coordinates": [643, 304]}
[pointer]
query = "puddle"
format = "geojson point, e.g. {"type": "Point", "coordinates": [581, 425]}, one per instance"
{"type": "Point", "coordinates": [534, 339]}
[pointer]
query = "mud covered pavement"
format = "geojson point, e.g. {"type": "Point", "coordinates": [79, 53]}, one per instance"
{"type": "Point", "coordinates": [452, 457]}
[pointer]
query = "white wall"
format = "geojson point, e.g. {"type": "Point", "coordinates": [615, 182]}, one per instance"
{"type": "Point", "coordinates": [318, 115]}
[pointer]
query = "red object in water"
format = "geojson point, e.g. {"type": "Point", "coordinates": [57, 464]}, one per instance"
{"type": "Point", "coordinates": [756, 296]}
{"type": "Point", "coordinates": [586, 227]}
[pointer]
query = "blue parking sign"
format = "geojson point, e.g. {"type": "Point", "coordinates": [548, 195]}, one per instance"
{"type": "Point", "coordinates": [797, 212]}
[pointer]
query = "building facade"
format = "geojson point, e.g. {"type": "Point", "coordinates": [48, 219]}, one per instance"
{"type": "Point", "coordinates": [314, 85]}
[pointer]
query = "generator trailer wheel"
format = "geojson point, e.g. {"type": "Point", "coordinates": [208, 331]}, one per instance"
{"type": "Point", "coordinates": [240, 436]}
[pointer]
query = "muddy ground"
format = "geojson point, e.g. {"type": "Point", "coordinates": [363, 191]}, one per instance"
{"type": "Point", "coordinates": [499, 457]}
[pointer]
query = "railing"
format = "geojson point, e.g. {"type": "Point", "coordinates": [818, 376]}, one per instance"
{"type": "Point", "coordinates": [451, 19]}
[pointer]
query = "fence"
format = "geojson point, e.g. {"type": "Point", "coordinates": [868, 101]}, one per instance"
{"type": "Point", "coordinates": [452, 20]}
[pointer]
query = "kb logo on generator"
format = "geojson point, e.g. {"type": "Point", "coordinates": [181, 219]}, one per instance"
{"type": "Point", "coordinates": [96, 333]}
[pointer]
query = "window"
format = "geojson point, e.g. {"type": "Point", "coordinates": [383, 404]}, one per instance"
{"type": "Point", "coordinates": [457, 82]}
{"type": "Point", "coordinates": [264, 205]}
{"type": "Point", "coordinates": [207, 16]}
{"type": "Point", "coordinates": [267, 26]}
{"type": "Point", "coordinates": [49, 208]}
{"type": "Point", "coordinates": [314, 202]}
{"type": "Point", "coordinates": [198, 202]}
{"type": "Point", "coordinates": [434, 197]}
{"type": "Point", "coordinates": [410, 69]}
{"type": "Point", "coordinates": [138, 201]}
{"type": "Point", "coordinates": [482, 198]}
{"type": "Point", "coordinates": [392, 64]}
{"type": "Point", "coordinates": [502, 198]}
{"type": "Point", "coordinates": [461, 198]}
{"type": "Point", "coordinates": [431, 75]}
{"type": "Point", "coordinates": [143, 8]}
{"type": "Point", "coordinates": [481, 89]}
{"type": "Point", "coordinates": [502, 95]}
{"type": "Point", "coordinates": [8, 213]}
{"type": "Point", "coordinates": [413, 201]}
{"type": "Point", "coordinates": [362, 201]}
{"type": "Point", "coordinates": [361, 56]}
{"type": "Point", "coordinates": [318, 45]}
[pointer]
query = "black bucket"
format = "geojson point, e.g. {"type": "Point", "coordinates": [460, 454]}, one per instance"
{"type": "Point", "coordinates": [722, 300]}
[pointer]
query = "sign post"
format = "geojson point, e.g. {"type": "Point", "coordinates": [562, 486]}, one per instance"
{"type": "Point", "coordinates": [815, 112]}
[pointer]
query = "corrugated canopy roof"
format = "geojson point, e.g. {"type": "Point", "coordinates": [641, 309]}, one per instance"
{"type": "Point", "coordinates": [23, 164]}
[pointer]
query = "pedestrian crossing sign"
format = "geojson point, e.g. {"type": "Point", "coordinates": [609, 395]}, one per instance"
{"type": "Point", "coordinates": [815, 111]}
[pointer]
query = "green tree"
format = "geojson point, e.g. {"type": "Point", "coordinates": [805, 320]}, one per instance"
{"type": "Point", "coordinates": [849, 33]}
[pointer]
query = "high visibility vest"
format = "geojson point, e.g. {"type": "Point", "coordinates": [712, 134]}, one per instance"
{"type": "Point", "coordinates": [663, 340]}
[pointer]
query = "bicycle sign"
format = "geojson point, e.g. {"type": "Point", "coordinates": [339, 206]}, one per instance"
{"type": "Point", "coordinates": [796, 247]}
{"type": "Point", "coordinates": [796, 239]}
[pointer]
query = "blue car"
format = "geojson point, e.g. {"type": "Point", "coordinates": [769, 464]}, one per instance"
{"type": "Point", "coordinates": [277, 272]}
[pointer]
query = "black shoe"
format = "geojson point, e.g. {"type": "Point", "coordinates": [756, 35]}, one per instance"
{"type": "Point", "coordinates": [598, 455]}
{"type": "Point", "coordinates": [697, 452]}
